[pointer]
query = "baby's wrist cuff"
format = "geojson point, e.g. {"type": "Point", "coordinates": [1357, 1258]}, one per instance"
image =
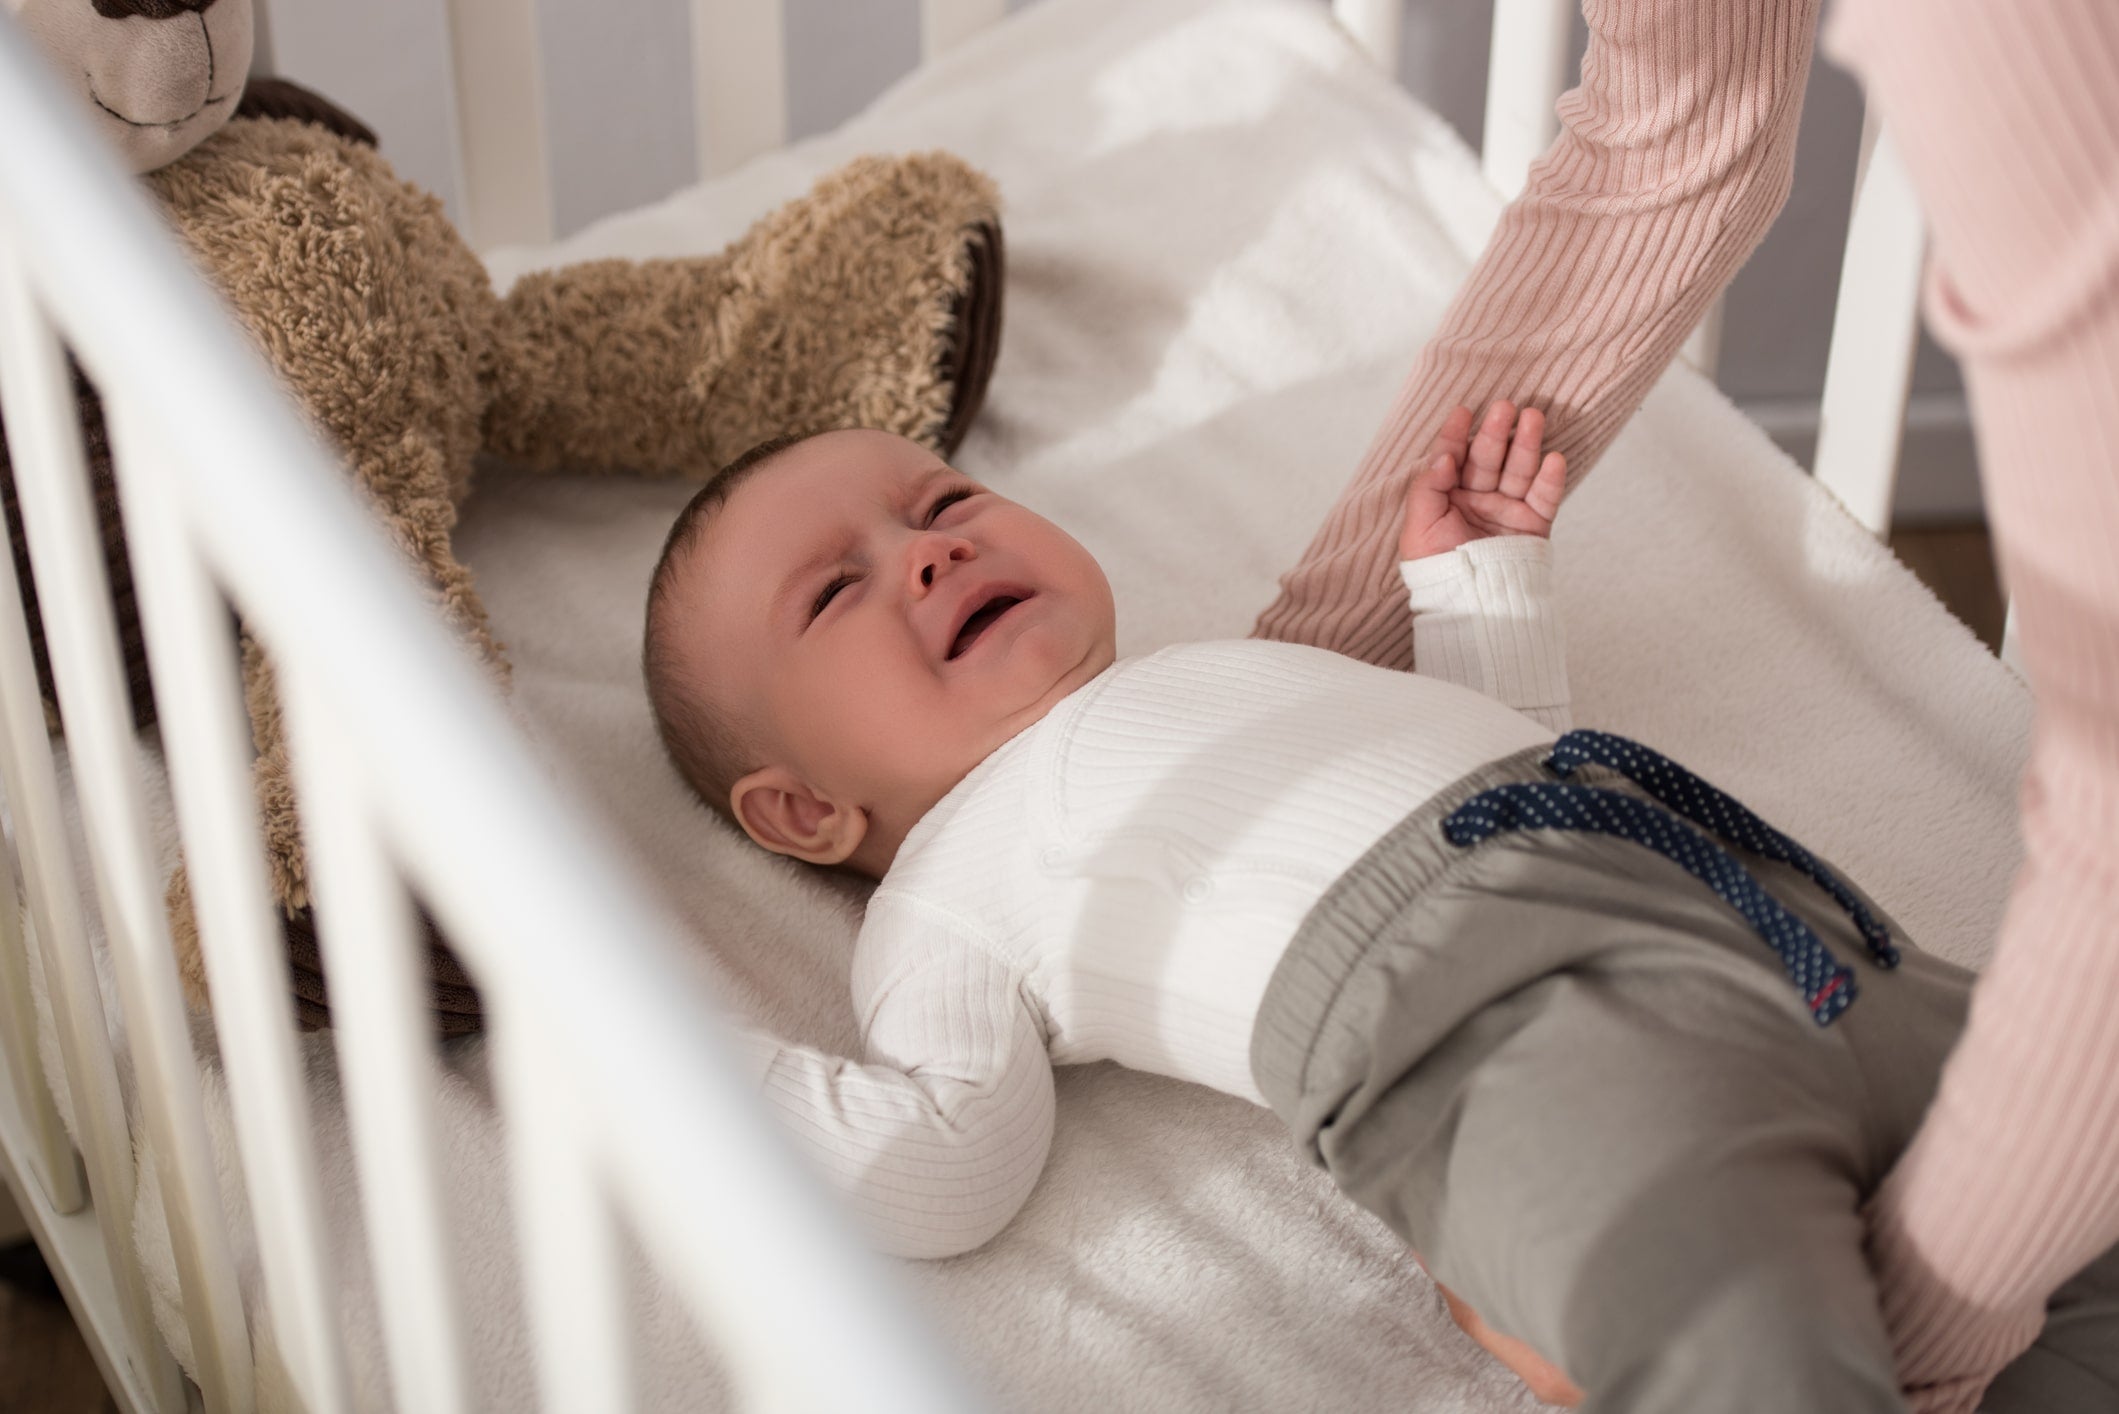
{"type": "Point", "coordinates": [1472, 556]}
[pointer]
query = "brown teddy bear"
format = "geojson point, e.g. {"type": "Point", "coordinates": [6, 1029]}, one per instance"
{"type": "Point", "coordinates": [872, 301]}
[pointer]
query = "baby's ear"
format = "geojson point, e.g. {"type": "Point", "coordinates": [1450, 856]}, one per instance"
{"type": "Point", "coordinates": [781, 812]}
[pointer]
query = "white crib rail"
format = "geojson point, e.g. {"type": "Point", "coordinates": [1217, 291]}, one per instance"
{"type": "Point", "coordinates": [1875, 327]}
{"type": "Point", "coordinates": [1529, 66]}
{"type": "Point", "coordinates": [740, 106]}
{"type": "Point", "coordinates": [1377, 26]}
{"type": "Point", "coordinates": [739, 97]}
{"type": "Point", "coordinates": [387, 1062]}
{"type": "Point", "coordinates": [50, 1162]}
{"type": "Point", "coordinates": [944, 24]}
{"type": "Point", "coordinates": [503, 155]}
{"type": "Point", "coordinates": [59, 517]}
{"type": "Point", "coordinates": [44, 443]}
{"type": "Point", "coordinates": [200, 704]}
{"type": "Point", "coordinates": [408, 767]}
{"type": "Point", "coordinates": [739, 81]}
{"type": "Point", "coordinates": [573, 1282]}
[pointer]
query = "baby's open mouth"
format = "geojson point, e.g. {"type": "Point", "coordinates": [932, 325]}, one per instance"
{"type": "Point", "coordinates": [981, 619]}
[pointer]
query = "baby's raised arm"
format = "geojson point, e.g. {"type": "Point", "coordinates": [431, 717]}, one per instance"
{"type": "Point", "coordinates": [1476, 559]}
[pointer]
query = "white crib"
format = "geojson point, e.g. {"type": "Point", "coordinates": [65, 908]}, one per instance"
{"type": "Point", "coordinates": [412, 778]}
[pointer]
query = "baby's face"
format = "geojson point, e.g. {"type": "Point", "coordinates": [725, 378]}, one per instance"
{"type": "Point", "coordinates": [885, 622]}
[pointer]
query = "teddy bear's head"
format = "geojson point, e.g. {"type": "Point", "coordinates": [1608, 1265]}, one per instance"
{"type": "Point", "coordinates": [161, 76]}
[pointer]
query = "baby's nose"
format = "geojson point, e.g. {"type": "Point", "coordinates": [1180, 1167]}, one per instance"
{"type": "Point", "coordinates": [934, 554]}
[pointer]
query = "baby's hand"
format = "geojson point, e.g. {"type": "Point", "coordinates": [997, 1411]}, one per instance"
{"type": "Point", "coordinates": [1476, 487]}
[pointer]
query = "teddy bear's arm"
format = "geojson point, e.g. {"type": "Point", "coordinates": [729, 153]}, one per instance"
{"type": "Point", "coordinates": [873, 301]}
{"type": "Point", "coordinates": [613, 366]}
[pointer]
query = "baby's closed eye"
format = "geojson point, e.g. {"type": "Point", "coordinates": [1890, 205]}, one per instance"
{"type": "Point", "coordinates": [948, 499]}
{"type": "Point", "coordinates": [934, 513]}
{"type": "Point", "coordinates": [827, 594]}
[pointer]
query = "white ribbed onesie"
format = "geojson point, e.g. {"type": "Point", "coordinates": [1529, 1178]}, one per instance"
{"type": "Point", "coordinates": [1118, 881]}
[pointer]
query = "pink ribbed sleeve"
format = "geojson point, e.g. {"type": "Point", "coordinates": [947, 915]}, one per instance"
{"type": "Point", "coordinates": [2008, 116]}
{"type": "Point", "coordinates": [1674, 155]}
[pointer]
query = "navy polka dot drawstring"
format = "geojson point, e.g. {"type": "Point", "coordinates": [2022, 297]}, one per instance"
{"type": "Point", "coordinates": [1828, 987]}
{"type": "Point", "coordinates": [1826, 983]}
{"type": "Point", "coordinates": [1715, 810]}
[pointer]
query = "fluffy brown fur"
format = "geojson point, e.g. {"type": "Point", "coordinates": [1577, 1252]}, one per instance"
{"type": "Point", "coordinates": [846, 307]}
{"type": "Point", "coordinates": [833, 311]}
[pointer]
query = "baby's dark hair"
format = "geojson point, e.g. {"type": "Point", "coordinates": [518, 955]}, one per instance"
{"type": "Point", "coordinates": [708, 746]}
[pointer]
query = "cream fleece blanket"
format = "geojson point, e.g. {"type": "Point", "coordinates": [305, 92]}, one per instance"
{"type": "Point", "coordinates": [1228, 236]}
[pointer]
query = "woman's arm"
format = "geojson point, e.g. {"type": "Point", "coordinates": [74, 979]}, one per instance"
{"type": "Point", "coordinates": [2006, 118]}
{"type": "Point", "coordinates": [1673, 158]}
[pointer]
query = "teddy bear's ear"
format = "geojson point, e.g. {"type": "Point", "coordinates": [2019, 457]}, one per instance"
{"type": "Point", "coordinates": [283, 98]}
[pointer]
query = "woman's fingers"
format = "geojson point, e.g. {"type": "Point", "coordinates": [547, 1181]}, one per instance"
{"type": "Point", "coordinates": [1522, 465]}
{"type": "Point", "coordinates": [1489, 449]}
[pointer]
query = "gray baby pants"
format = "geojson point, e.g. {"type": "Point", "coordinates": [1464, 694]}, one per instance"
{"type": "Point", "coordinates": [1585, 1091]}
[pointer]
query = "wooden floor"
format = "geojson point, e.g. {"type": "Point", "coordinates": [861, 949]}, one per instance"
{"type": "Point", "coordinates": [45, 1367]}
{"type": "Point", "coordinates": [1957, 562]}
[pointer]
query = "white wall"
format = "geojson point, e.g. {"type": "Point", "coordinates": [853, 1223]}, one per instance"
{"type": "Point", "coordinates": [619, 118]}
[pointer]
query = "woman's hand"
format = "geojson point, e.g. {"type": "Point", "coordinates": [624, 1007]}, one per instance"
{"type": "Point", "coordinates": [1474, 487]}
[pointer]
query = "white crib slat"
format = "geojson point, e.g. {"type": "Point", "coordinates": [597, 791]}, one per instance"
{"type": "Point", "coordinates": [1376, 26]}
{"type": "Point", "coordinates": [1529, 65]}
{"type": "Point", "coordinates": [39, 416]}
{"type": "Point", "coordinates": [379, 1010]}
{"type": "Point", "coordinates": [1874, 329]}
{"type": "Point", "coordinates": [1703, 350]}
{"type": "Point", "coordinates": [739, 81]}
{"type": "Point", "coordinates": [944, 24]}
{"type": "Point", "coordinates": [206, 729]}
{"type": "Point", "coordinates": [55, 1172]}
{"type": "Point", "coordinates": [66, 554]}
{"type": "Point", "coordinates": [569, 1240]}
{"type": "Point", "coordinates": [1526, 72]}
{"type": "Point", "coordinates": [503, 157]}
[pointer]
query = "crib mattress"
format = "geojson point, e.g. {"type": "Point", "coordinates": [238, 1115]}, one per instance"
{"type": "Point", "coordinates": [1228, 236]}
